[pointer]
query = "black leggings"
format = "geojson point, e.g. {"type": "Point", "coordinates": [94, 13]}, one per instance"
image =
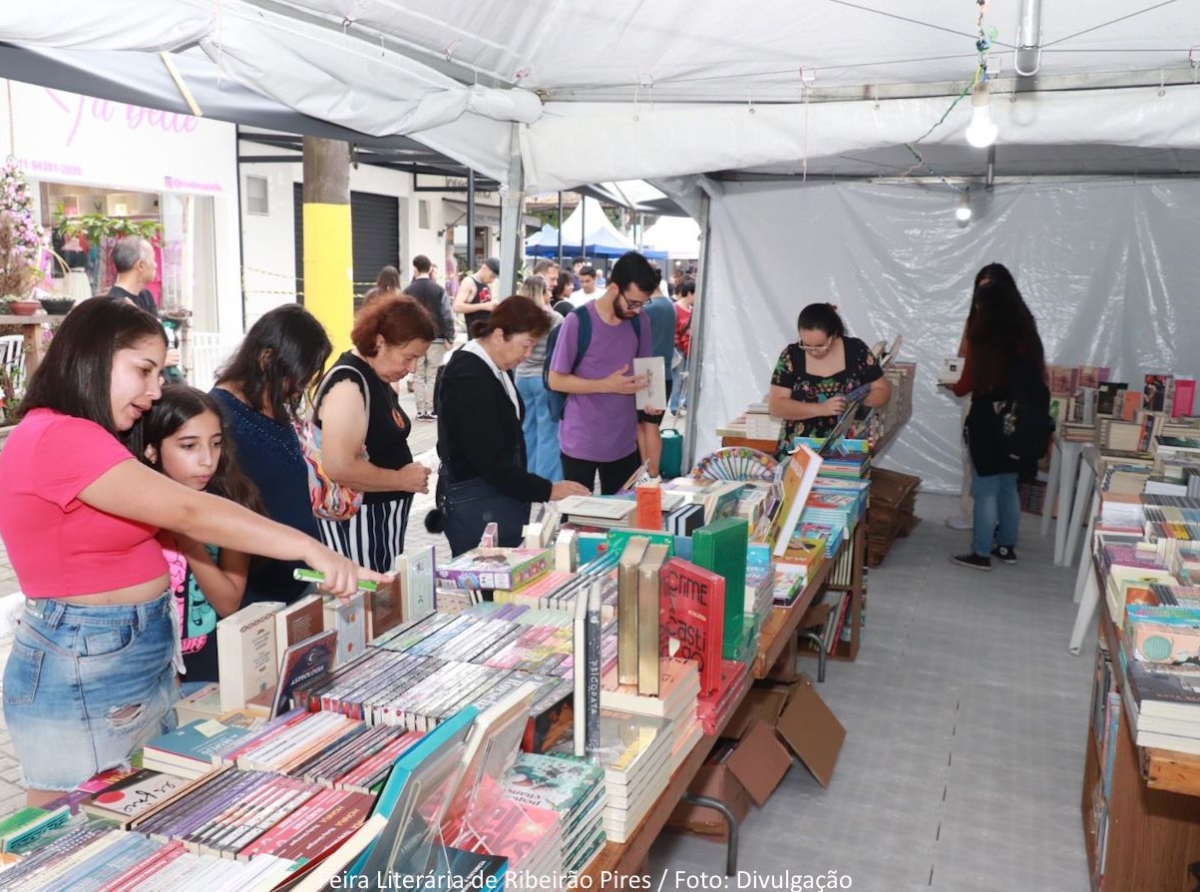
{"type": "Point", "coordinates": [613, 474]}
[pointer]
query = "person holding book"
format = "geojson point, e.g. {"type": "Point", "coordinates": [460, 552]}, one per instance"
{"type": "Point", "coordinates": [183, 436]}
{"type": "Point", "coordinates": [483, 477]}
{"type": "Point", "coordinates": [1006, 366]}
{"type": "Point", "coordinates": [599, 432]}
{"type": "Point", "coordinates": [91, 674]}
{"type": "Point", "coordinates": [364, 442]}
{"type": "Point", "coordinates": [814, 375]}
{"type": "Point", "coordinates": [260, 390]}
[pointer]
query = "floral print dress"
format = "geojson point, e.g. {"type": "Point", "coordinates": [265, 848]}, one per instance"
{"type": "Point", "coordinates": [791, 372]}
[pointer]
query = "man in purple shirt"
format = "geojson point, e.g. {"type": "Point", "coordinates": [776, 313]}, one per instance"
{"type": "Point", "coordinates": [600, 421]}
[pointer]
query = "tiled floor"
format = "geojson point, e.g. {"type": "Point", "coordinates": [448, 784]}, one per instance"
{"type": "Point", "coordinates": [965, 721]}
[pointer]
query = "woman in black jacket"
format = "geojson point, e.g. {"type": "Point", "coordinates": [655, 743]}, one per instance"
{"type": "Point", "coordinates": [1010, 405]}
{"type": "Point", "coordinates": [483, 476]}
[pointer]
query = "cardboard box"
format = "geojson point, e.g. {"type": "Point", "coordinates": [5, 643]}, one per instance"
{"type": "Point", "coordinates": [745, 767]}
{"type": "Point", "coordinates": [811, 731]}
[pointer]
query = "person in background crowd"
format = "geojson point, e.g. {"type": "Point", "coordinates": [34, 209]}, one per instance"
{"type": "Point", "coordinates": [548, 270]}
{"type": "Point", "coordinates": [386, 285]}
{"type": "Point", "coordinates": [91, 674]}
{"type": "Point", "coordinates": [474, 296]}
{"type": "Point", "coordinates": [183, 436]}
{"type": "Point", "coordinates": [432, 297]}
{"type": "Point", "coordinates": [587, 286]}
{"type": "Point", "coordinates": [450, 283]}
{"type": "Point", "coordinates": [540, 430]}
{"type": "Point", "coordinates": [484, 478]}
{"type": "Point", "coordinates": [965, 519]}
{"type": "Point", "coordinates": [560, 295]}
{"type": "Point", "coordinates": [260, 390]}
{"type": "Point", "coordinates": [599, 430]}
{"type": "Point", "coordinates": [660, 313]}
{"type": "Point", "coordinates": [685, 297]}
{"type": "Point", "coordinates": [576, 284]}
{"type": "Point", "coordinates": [813, 376]}
{"type": "Point", "coordinates": [133, 257]}
{"type": "Point", "coordinates": [1005, 360]}
{"type": "Point", "coordinates": [356, 407]}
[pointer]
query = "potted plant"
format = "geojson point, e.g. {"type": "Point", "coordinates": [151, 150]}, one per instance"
{"type": "Point", "coordinates": [17, 276]}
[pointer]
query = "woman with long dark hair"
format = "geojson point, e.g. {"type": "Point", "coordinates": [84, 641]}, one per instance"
{"type": "Point", "coordinates": [91, 674]}
{"type": "Point", "coordinates": [1006, 367]}
{"type": "Point", "coordinates": [260, 391]}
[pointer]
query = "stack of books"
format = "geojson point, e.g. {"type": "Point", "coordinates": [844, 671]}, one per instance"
{"type": "Point", "coordinates": [102, 857]}
{"type": "Point", "coordinates": [713, 711]}
{"type": "Point", "coordinates": [495, 568]}
{"type": "Point", "coordinates": [597, 511]}
{"type": "Point", "coordinates": [799, 565]}
{"type": "Point", "coordinates": [575, 790]}
{"type": "Point", "coordinates": [718, 498]}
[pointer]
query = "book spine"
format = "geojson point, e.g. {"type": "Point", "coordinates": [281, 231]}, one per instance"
{"type": "Point", "coordinates": [592, 670]}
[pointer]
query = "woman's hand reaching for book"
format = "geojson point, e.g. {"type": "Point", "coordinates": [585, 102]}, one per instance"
{"type": "Point", "coordinates": [342, 575]}
{"type": "Point", "coordinates": [566, 488]}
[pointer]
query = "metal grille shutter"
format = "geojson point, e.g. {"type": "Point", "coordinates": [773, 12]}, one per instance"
{"type": "Point", "coordinates": [375, 225]}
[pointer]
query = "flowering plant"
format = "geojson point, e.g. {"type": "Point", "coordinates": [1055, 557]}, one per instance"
{"type": "Point", "coordinates": [17, 275]}
{"type": "Point", "coordinates": [16, 199]}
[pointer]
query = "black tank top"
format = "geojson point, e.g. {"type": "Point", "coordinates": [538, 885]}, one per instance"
{"type": "Point", "coordinates": [387, 425]}
{"type": "Point", "coordinates": [483, 293]}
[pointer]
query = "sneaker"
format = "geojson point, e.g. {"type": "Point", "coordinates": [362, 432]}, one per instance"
{"type": "Point", "coordinates": [961, 522]}
{"type": "Point", "coordinates": [1004, 554]}
{"type": "Point", "coordinates": [972, 560]}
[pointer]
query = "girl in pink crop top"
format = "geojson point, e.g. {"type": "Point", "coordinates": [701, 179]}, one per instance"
{"type": "Point", "coordinates": [91, 675]}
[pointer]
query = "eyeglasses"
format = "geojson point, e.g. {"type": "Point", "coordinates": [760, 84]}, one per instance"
{"type": "Point", "coordinates": [634, 304]}
{"type": "Point", "coordinates": [816, 348]}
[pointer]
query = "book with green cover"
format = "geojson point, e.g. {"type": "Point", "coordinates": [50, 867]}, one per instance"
{"type": "Point", "coordinates": [560, 785]}
{"type": "Point", "coordinates": [721, 548]}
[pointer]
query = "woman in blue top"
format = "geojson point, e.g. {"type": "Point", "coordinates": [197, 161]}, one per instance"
{"type": "Point", "coordinates": [260, 390]}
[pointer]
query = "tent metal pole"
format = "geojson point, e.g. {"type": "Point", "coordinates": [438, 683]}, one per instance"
{"type": "Point", "coordinates": [471, 264]}
{"type": "Point", "coordinates": [699, 333]}
{"type": "Point", "coordinates": [583, 226]}
{"type": "Point", "coordinates": [512, 201]}
{"type": "Point", "coordinates": [560, 223]}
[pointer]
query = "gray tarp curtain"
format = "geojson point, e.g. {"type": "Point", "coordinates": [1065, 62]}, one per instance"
{"type": "Point", "coordinates": [1109, 268]}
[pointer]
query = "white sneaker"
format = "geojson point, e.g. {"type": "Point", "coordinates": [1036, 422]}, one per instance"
{"type": "Point", "coordinates": [960, 522]}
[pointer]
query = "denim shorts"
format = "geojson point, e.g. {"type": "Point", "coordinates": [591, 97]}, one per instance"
{"type": "Point", "coordinates": [85, 686]}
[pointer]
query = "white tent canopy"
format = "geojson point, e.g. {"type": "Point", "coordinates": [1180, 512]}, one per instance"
{"type": "Point", "coordinates": [631, 90]}
{"type": "Point", "coordinates": [689, 94]}
{"type": "Point", "coordinates": [676, 236]}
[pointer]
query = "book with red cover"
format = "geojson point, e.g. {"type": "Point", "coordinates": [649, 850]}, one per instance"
{"type": "Point", "coordinates": [712, 711]}
{"type": "Point", "coordinates": [692, 618]}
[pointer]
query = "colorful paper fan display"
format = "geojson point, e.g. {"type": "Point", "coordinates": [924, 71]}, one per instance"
{"type": "Point", "coordinates": [737, 463]}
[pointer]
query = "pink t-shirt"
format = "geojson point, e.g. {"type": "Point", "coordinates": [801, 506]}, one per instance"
{"type": "Point", "coordinates": [59, 546]}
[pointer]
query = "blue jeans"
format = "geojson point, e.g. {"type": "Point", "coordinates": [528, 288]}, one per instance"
{"type": "Point", "coordinates": [85, 686]}
{"type": "Point", "coordinates": [996, 502]}
{"type": "Point", "coordinates": [541, 431]}
{"type": "Point", "coordinates": [679, 376]}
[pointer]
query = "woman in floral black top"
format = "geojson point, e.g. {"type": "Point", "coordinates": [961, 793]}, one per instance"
{"type": "Point", "coordinates": [813, 375]}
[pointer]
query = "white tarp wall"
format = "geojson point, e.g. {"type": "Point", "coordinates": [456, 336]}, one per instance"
{"type": "Point", "coordinates": [1108, 267]}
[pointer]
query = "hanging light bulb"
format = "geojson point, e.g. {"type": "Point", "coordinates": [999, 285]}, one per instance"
{"type": "Point", "coordinates": [982, 130]}
{"type": "Point", "coordinates": [963, 212]}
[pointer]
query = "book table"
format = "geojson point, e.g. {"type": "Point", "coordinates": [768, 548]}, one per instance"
{"type": "Point", "coordinates": [1153, 805]}
{"type": "Point", "coordinates": [623, 859]}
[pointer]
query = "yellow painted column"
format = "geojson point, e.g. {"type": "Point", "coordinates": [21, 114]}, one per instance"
{"type": "Point", "coordinates": [328, 238]}
{"type": "Point", "coordinates": [329, 270]}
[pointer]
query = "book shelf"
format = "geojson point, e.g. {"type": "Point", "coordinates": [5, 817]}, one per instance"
{"type": "Point", "coordinates": [857, 556]}
{"type": "Point", "coordinates": [1153, 808]}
